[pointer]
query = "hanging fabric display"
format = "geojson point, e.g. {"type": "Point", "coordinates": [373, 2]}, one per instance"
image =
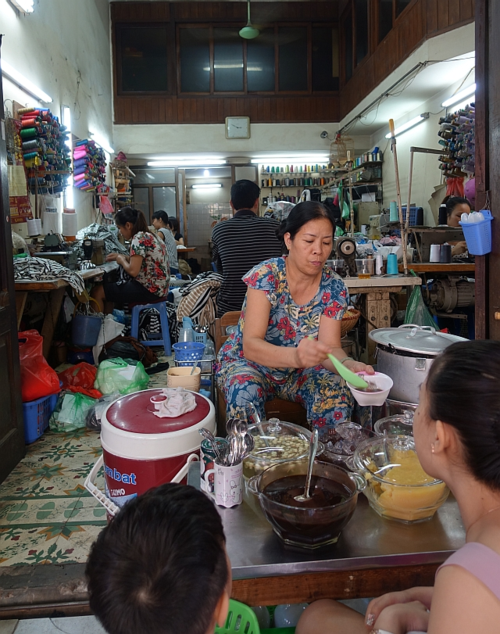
{"type": "Point", "coordinates": [89, 163]}
{"type": "Point", "coordinates": [457, 137]}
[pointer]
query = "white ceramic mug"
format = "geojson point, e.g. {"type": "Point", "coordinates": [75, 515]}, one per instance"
{"type": "Point", "coordinates": [228, 484]}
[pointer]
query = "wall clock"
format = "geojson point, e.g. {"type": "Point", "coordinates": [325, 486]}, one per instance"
{"type": "Point", "coordinates": [237, 127]}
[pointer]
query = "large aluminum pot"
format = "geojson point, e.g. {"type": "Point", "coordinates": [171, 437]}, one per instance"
{"type": "Point", "coordinates": [406, 355]}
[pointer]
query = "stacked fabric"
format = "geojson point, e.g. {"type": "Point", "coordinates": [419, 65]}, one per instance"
{"type": "Point", "coordinates": [89, 165]}
{"type": "Point", "coordinates": [44, 148]}
{"type": "Point", "coordinates": [458, 140]}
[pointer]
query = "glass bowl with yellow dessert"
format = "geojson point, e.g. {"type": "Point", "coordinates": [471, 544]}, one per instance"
{"type": "Point", "coordinates": [397, 486]}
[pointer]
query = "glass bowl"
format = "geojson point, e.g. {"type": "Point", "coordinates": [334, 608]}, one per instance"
{"type": "Point", "coordinates": [397, 424]}
{"type": "Point", "coordinates": [313, 524]}
{"type": "Point", "coordinates": [276, 441]}
{"type": "Point", "coordinates": [397, 487]}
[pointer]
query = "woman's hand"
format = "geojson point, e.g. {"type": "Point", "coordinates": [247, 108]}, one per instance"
{"type": "Point", "coordinates": [310, 352]}
{"type": "Point", "coordinates": [111, 257]}
{"type": "Point", "coordinates": [357, 366]}
{"type": "Point", "coordinates": [421, 594]}
{"type": "Point", "coordinates": [403, 617]}
{"type": "Point", "coordinates": [458, 248]}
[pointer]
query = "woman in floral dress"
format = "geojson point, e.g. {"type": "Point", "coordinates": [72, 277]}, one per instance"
{"type": "Point", "coordinates": [290, 321]}
{"type": "Point", "coordinates": [146, 267]}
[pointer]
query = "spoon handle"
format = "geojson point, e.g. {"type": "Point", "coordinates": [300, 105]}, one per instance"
{"type": "Point", "coordinates": [345, 373]}
{"type": "Point", "coordinates": [313, 448]}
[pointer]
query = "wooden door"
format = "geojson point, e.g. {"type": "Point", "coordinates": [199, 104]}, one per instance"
{"type": "Point", "coordinates": [12, 446]}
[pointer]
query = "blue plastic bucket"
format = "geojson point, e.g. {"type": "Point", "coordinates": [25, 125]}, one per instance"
{"type": "Point", "coordinates": [478, 234]}
{"type": "Point", "coordinates": [85, 330]}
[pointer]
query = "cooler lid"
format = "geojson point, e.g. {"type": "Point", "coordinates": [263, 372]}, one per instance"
{"type": "Point", "coordinates": [418, 339]}
{"type": "Point", "coordinates": [135, 413]}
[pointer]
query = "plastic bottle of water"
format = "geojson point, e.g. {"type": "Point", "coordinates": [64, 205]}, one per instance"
{"type": "Point", "coordinates": [262, 614]}
{"type": "Point", "coordinates": [186, 333]}
{"type": "Point", "coordinates": [288, 615]}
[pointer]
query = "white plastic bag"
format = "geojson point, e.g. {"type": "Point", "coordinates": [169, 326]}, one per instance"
{"type": "Point", "coordinates": [109, 330]}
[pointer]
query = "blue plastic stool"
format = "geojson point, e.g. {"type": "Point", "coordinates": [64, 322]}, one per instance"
{"type": "Point", "coordinates": [164, 338]}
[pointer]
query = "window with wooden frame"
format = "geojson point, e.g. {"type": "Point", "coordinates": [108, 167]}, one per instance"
{"type": "Point", "coordinates": [212, 59]}
{"type": "Point", "coordinates": [388, 11]}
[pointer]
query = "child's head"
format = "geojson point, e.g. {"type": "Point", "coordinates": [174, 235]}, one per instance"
{"type": "Point", "coordinates": [161, 566]}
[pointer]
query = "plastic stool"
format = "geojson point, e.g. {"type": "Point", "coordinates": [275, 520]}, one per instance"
{"type": "Point", "coordinates": [165, 334]}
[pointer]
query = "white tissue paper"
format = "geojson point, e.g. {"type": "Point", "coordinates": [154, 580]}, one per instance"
{"type": "Point", "coordinates": [179, 401]}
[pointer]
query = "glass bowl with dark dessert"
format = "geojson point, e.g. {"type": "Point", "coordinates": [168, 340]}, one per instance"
{"type": "Point", "coordinates": [318, 521]}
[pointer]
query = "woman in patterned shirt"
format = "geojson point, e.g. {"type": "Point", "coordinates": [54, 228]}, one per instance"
{"type": "Point", "coordinates": [146, 267]}
{"type": "Point", "coordinates": [290, 321]}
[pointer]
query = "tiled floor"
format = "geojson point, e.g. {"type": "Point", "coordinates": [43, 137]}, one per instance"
{"type": "Point", "coordinates": [46, 514]}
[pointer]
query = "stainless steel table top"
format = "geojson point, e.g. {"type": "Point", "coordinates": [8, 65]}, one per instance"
{"type": "Point", "coordinates": [368, 541]}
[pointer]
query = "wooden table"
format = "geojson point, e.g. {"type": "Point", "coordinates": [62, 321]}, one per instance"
{"type": "Point", "coordinates": [57, 289]}
{"type": "Point", "coordinates": [182, 252]}
{"type": "Point", "coordinates": [452, 268]}
{"type": "Point", "coordinates": [378, 300]}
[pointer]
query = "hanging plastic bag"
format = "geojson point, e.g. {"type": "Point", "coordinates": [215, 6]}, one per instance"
{"type": "Point", "coordinates": [72, 412]}
{"type": "Point", "coordinates": [416, 311]}
{"type": "Point", "coordinates": [38, 379]}
{"type": "Point", "coordinates": [123, 376]}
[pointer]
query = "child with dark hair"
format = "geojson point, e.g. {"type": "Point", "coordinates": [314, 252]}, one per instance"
{"type": "Point", "coordinates": [146, 267]}
{"type": "Point", "coordinates": [457, 438]}
{"type": "Point", "coordinates": [161, 565]}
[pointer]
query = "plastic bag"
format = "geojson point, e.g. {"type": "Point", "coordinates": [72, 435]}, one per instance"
{"type": "Point", "coordinates": [109, 330]}
{"type": "Point", "coordinates": [417, 312]}
{"type": "Point", "coordinates": [38, 379]}
{"type": "Point", "coordinates": [95, 413]}
{"type": "Point", "coordinates": [80, 375]}
{"type": "Point", "coordinates": [70, 412]}
{"type": "Point", "coordinates": [123, 376]}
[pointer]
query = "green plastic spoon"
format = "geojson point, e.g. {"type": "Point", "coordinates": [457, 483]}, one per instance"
{"type": "Point", "coordinates": [354, 379]}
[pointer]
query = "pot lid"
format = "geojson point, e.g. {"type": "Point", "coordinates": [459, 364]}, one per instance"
{"type": "Point", "coordinates": [135, 413]}
{"type": "Point", "coordinates": [411, 338]}
{"type": "Point", "coordinates": [277, 440]}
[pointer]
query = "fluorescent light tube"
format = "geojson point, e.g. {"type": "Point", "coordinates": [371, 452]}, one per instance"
{"type": "Point", "coordinates": [186, 163]}
{"type": "Point", "coordinates": [411, 124]}
{"type": "Point", "coordinates": [24, 83]}
{"type": "Point", "coordinates": [460, 96]}
{"type": "Point", "coordinates": [103, 143]}
{"type": "Point", "coordinates": [26, 6]}
{"type": "Point", "coordinates": [207, 186]}
{"type": "Point", "coordinates": [286, 160]}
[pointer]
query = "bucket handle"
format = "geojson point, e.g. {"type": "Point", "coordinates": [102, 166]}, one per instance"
{"type": "Point", "coordinates": [108, 504]}
{"type": "Point", "coordinates": [91, 299]}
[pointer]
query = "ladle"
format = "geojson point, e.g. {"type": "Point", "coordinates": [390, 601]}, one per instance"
{"type": "Point", "coordinates": [313, 448]}
{"type": "Point", "coordinates": [352, 378]}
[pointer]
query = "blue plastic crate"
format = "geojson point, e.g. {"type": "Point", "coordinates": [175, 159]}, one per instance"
{"type": "Point", "coordinates": [36, 416]}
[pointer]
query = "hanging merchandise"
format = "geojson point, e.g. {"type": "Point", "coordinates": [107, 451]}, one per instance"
{"type": "Point", "coordinates": [45, 153]}
{"type": "Point", "coordinates": [457, 137]}
{"type": "Point", "coordinates": [89, 164]}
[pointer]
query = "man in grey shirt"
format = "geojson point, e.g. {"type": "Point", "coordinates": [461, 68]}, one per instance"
{"type": "Point", "coordinates": [242, 242]}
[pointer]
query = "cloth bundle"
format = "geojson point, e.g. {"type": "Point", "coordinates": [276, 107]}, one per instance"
{"type": "Point", "coordinates": [179, 401]}
{"type": "Point", "coordinates": [41, 269]}
{"type": "Point", "coordinates": [98, 232]}
{"type": "Point", "coordinates": [44, 150]}
{"type": "Point", "coordinates": [89, 165]}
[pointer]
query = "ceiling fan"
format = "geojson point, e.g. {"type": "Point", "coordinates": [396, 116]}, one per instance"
{"type": "Point", "coordinates": [249, 32]}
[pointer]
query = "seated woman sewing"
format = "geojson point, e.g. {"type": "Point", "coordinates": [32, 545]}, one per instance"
{"type": "Point", "coordinates": [455, 207]}
{"type": "Point", "coordinates": [457, 435]}
{"type": "Point", "coordinates": [146, 267]}
{"type": "Point", "coordinates": [290, 321]}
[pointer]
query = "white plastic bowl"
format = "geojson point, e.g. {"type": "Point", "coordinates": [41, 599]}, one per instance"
{"type": "Point", "coordinates": [382, 381]}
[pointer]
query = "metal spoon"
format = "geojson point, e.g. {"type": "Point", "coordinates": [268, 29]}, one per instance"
{"type": "Point", "coordinates": [210, 437]}
{"type": "Point", "coordinates": [259, 423]}
{"type": "Point", "coordinates": [313, 448]}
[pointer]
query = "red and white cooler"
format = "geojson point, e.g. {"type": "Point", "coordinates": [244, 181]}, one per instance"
{"type": "Point", "coordinates": [141, 450]}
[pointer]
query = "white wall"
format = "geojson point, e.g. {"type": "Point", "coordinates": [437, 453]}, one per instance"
{"type": "Point", "coordinates": [64, 48]}
{"type": "Point", "coordinates": [426, 172]}
{"type": "Point", "coordinates": [148, 140]}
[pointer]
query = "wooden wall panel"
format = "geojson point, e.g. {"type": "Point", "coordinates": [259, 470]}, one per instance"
{"type": "Point", "coordinates": [423, 19]}
{"type": "Point", "coordinates": [215, 109]}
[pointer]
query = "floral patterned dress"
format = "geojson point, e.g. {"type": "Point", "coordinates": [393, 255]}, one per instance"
{"type": "Point", "coordinates": [154, 274]}
{"type": "Point", "coordinates": [325, 396]}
